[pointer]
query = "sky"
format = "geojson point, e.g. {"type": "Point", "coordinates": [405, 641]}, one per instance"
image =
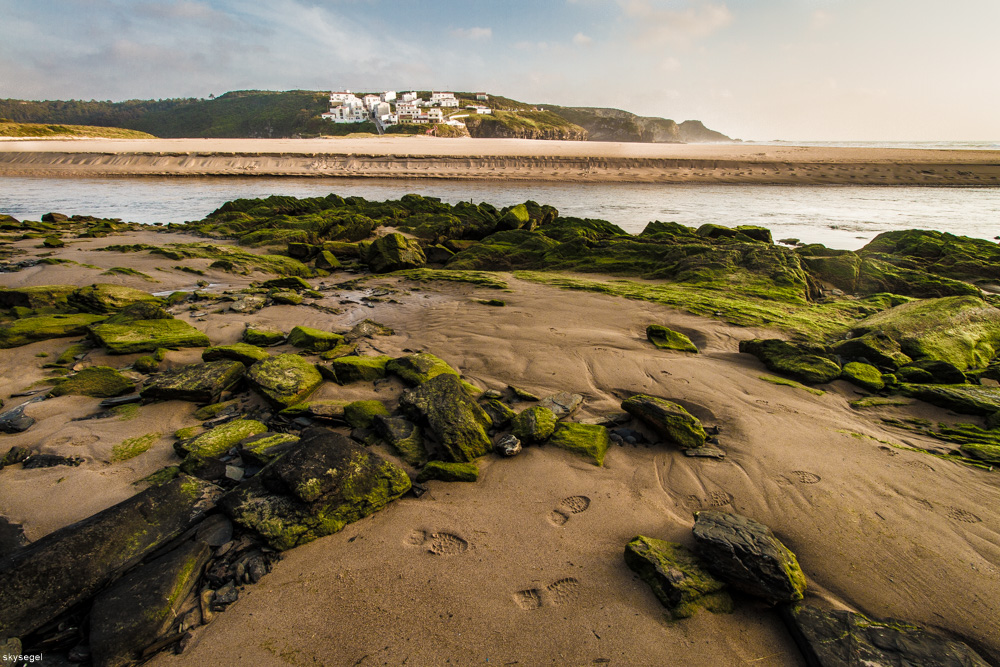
{"type": "Point", "coordinates": [823, 70]}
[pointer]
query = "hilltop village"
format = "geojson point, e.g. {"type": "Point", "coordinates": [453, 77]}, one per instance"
{"type": "Point", "coordinates": [387, 108]}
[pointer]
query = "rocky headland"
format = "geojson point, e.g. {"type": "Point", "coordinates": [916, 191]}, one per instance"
{"type": "Point", "coordinates": [337, 431]}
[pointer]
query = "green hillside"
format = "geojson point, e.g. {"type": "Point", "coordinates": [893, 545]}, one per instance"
{"type": "Point", "coordinates": [28, 130]}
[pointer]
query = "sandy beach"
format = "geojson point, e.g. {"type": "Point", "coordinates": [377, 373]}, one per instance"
{"type": "Point", "coordinates": [507, 159]}
{"type": "Point", "coordinates": [877, 528]}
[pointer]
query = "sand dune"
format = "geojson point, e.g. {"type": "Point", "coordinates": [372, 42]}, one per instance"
{"type": "Point", "coordinates": [508, 159]}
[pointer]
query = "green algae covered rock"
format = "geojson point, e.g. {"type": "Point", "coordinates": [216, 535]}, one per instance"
{"type": "Point", "coordinates": [327, 261]}
{"type": "Point", "coordinates": [961, 330]}
{"type": "Point", "coordinates": [288, 282]}
{"type": "Point", "coordinates": [103, 298]}
{"type": "Point", "coordinates": [982, 451]}
{"type": "Point", "coordinates": [449, 472]}
{"type": "Point", "coordinates": [931, 371]}
{"type": "Point", "coordinates": [147, 336]}
{"type": "Point", "coordinates": [500, 413]}
{"type": "Point", "coordinates": [403, 436]}
{"type": "Point", "coordinates": [242, 352]}
{"type": "Point", "coordinates": [967, 399]}
{"type": "Point", "coordinates": [53, 574]}
{"type": "Point", "coordinates": [803, 363]}
{"type": "Point", "coordinates": [217, 441]}
{"type": "Point", "coordinates": [96, 381]}
{"type": "Point", "coordinates": [360, 414]}
{"type": "Point", "coordinates": [395, 252]}
{"type": "Point", "coordinates": [590, 441]}
{"type": "Point", "coordinates": [418, 368]}
{"type": "Point", "coordinates": [36, 298]}
{"type": "Point", "coordinates": [327, 411]}
{"type": "Point", "coordinates": [865, 376]}
{"type": "Point", "coordinates": [213, 410]}
{"type": "Point", "coordinates": [534, 424]}
{"type": "Point", "coordinates": [140, 310]}
{"type": "Point", "coordinates": [453, 418]}
{"type": "Point", "coordinates": [313, 340]}
{"type": "Point", "coordinates": [668, 419]}
{"type": "Point", "coordinates": [676, 577]}
{"type": "Point", "coordinates": [262, 336]}
{"type": "Point", "coordinates": [198, 383]}
{"type": "Point", "coordinates": [840, 270]}
{"type": "Point", "coordinates": [341, 350]}
{"type": "Point", "coordinates": [668, 339]}
{"type": "Point", "coordinates": [266, 447]}
{"type": "Point", "coordinates": [44, 327]}
{"type": "Point", "coordinates": [348, 369]}
{"type": "Point", "coordinates": [875, 348]}
{"type": "Point", "coordinates": [316, 489]}
{"type": "Point", "coordinates": [285, 379]}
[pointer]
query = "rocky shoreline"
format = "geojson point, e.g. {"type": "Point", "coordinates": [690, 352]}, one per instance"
{"type": "Point", "coordinates": [341, 359]}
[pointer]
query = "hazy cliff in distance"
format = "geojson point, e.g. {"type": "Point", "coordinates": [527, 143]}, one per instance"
{"type": "Point", "coordinates": [617, 125]}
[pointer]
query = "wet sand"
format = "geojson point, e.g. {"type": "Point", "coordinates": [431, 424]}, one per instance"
{"type": "Point", "coordinates": [500, 159]}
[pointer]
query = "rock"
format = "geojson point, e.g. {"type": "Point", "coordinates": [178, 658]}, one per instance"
{"type": "Point", "coordinates": [588, 440]}
{"type": "Point", "coordinates": [262, 336]}
{"type": "Point", "coordinates": [404, 436]}
{"type": "Point", "coordinates": [521, 394]}
{"type": "Point", "coordinates": [341, 350]}
{"type": "Point", "coordinates": [452, 418]}
{"type": "Point", "coordinates": [747, 555]}
{"type": "Point", "coordinates": [361, 414]}
{"type": "Point", "coordinates": [438, 254]}
{"type": "Point", "coordinates": [95, 381]}
{"type": "Point", "coordinates": [213, 410]}
{"type": "Point", "coordinates": [668, 419]}
{"type": "Point", "coordinates": [263, 448]}
{"type": "Point", "coordinates": [962, 330]}
{"type": "Point", "coordinates": [288, 282]}
{"type": "Point", "coordinates": [499, 412]}
{"type": "Point", "coordinates": [800, 362]}
{"type": "Point", "coordinates": [15, 421]}
{"type": "Point", "coordinates": [327, 261]}
{"type": "Point", "coordinates": [419, 368]}
{"type": "Point", "coordinates": [676, 577]}
{"type": "Point", "coordinates": [55, 217]}
{"type": "Point", "coordinates": [36, 461]}
{"type": "Point", "coordinates": [214, 531]}
{"type": "Point", "coordinates": [964, 398]}
{"type": "Point", "coordinates": [248, 304]}
{"type": "Point", "coordinates": [562, 404]}
{"type": "Point", "coordinates": [198, 383]}
{"type": "Point", "coordinates": [313, 340]}
{"type": "Point", "coordinates": [841, 637]}
{"type": "Point", "coordinates": [395, 252]}
{"type": "Point", "coordinates": [865, 376]}
{"type": "Point", "coordinates": [706, 452]}
{"type": "Point", "coordinates": [367, 329]}
{"type": "Point", "coordinates": [931, 371]}
{"type": "Point", "coordinates": [103, 298]}
{"type": "Point", "coordinates": [14, 455]}
{"type": "Point", "coordinates": [141, 310]}
{"type": "Point", "coordinates": [60, 570]}
{"type": "Point", "coordinates": [327, 411]}
{"type": "Point", "coordinates": [508, 445]}
{"type": "Point", "coordinates": [534, 424]}
{"type": "Point", "coordinates": [45, 327]}
{"type": "Point", "coordinates": [284, 379]}
{"type": "Point", "coordinates": [316, 489]}
{"type": "Point", "coordinates": [287, 298]}
{"type": "Point", "coordinates": [41, 296]}
{"type": "Point", "coordinates": [348, 369]}
{"type": "Point", "coordinates": [53, 242]}
{"type": "Point", "coordinates": [216, 442]}
{"type": "Point", "coordinates": [141, 607]}
{"type": "Point", "coordinates": [244, 353]}
{"type": "Point", "coordinates": [668, 339]}
{"type": "Point", "coordinates": [875, 347]}
{"type": "Point", "coordinates": [147, 336]}
{"type": "Point", "coordinates": [449, 472]}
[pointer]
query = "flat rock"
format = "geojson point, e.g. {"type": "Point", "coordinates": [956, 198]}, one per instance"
{"type": "Point", "coordinates": [964, 398]}
{"type": "Point", "coordinates": [284, 379]}
{"type": "Point", "coordinates": [588, 440]}
{"type": "Point", "coordinates": [747, 555]}
{"type": "Point", "coordinates": [198, 383]}
{"type": "Point", "coordinates": [217, 441]}
{"type": "Point", "coordinates": [562, 404]}
{"type": "Point", "coordinates": [676, 577]}
{"type": "Point", "coordinates": [15, 421]}
{"type": "Point", "coordinates": [534, 424]}
{"type": "Point", "coordinates": [313, 340]}
{"type": "Point", "coordinates": [350, 368]}
{"type": "Point", "coordinates": [147, 336]}
{"type": "Point", "coordinates": [265, 447]}
{"type": "Point", "coordinates": [418, 368]}
{"type": "Point", "coordinates": [451, 416]}
{"type": "Point", "coordinates": [801, 362]}
{"type": "Point", "coordinates": [706, 452]}
{"type": "Point", "coordinates": [668, 419]}
{"type": "Point", "coordinates": [94, 381]}
{"type": "Point", "coordinates": [404, 436]}
{"type": "Point", "coordinates": [105, 298]}
{"type": "Point", "coordinates": [45, 327]}
{"type": "Point", "coordinates": [668, 339]}
{"type": "Point", "coordinates": [244, 353]}
{"type": "Point", "coordinates": [449, 472]}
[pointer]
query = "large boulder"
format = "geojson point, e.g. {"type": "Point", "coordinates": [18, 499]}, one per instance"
{"type": "Point", "coordinates": [147, 336]}
{"type": "Point", "coordinates": [534, 424]}
{"type": "Point", "coordinates": [284, 379]}
{"type": "Point", "coordinates": [217, 441]}
{"type": "Point", "coordinates": [841, 637]}
{"type": "Point", "coordinates": [51, 575]}
{"type": "Point", "coordinates": [198, 383]}
{"type": "Point", "coordinates": [313, 340]}
{"type": "Point", "coordinates": [244, 353]}
{"type": "Point", "coordinates": [863, 375]}
{"type": "Point", "coordinates": [668, 339]}
{"type": "Point", "coordinates": [668, 419]}
{"type": "Point", "coordinates": [361, 414]}
{"type": "Point", "coordinates": [104, 298]}
{"type": "Point", "coordinates": [452, 418]}
{"type": "Point", "coordinates": [590, 441]}
{"type": "Point", "coordinates": [351, 368]}
{"type": "Point", "coordinates": [403, 436]}
{"type": "Point", "coordinates": [418, 368]}
{"type": "Point", "coordinates": [747, 555]}
{"type": "Point", "coordinates": [45, 327]}
{"type": "Point", "coordinates": [931, 371]}
{"type": "Point", "coordinates": [394, 252]}
{"type": "Point", "coordinates": [35, 298]}
{"type": "Point", "coordinates": [142, 606]}
{"type": "Point", "coordinates": [95, 381]}
{"type": "Point", "coordinates": [874, 348]}
{"type": "Point", "coordinates": [676, 577]}
{"type": "Point", "coordinates": [322, 485]}
{"type": "Point", "coordinates": [803, 363]}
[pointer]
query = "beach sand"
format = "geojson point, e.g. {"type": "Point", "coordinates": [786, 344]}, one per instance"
{"type": "Point", "coordinates": [447, 578]}
{"type": "Point", "coordinates": [495, 159]}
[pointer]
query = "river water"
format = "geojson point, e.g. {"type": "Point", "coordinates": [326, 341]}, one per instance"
{"type": "Point", "coordinates": [838, 216]}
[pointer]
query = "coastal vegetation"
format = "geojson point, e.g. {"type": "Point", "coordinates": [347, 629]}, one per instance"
{"type": "Point", "coordinates": [9, 128]}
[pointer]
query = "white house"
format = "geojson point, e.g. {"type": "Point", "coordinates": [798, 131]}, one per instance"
{"type": "Point", "coordinates": [408, 97]}
{"type": "Point", "coordinates": [449, 102]}
{"type": "Point", "coordinates": [347, 113]}
{"type": "Point", "coordinates": [342, 96]}
{"type": "Point", "coordinates": [435, 115]}
{"type": "Point", "coordinates": [437, 98]}
{"type": "Point", "coordinates": [371, 100]}
{"type": "Point", "coordinates": [482, 97]}
{"type": "Point", "coordinates": [389, 96]}
{"type": "Point", "coordinates": [484, 110]}
{"type": "Point", "coordinates": [407, 110]}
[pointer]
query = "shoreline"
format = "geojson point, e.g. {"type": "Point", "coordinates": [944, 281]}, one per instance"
{"type": "Point", "coordinates": [501, 159]}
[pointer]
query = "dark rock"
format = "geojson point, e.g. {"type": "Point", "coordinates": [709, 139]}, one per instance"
{"type": "Point", "coordinates": [313, 340]}
{"type": "Point", "coordinates": [14, 455]}
{"type": "Point", "coordinates": [438, 254]}
{"type": "Point", "coordinates": [877, 347]}
{"type": "Point", "coordinates": [141, 310]}
{"type": "Point", "coordinates": [562, 404]}
{"type": "Point", "coordinates": [395, 252]}
{"type": "Point", "coordinates": [263, 448]}
{"type": "Point", "coordinates": [747, 555]}
{"type": "Point", "coordinates": [284, 379]}
{"type": "Point", "coordinates": [964, 398]}
{"type": "Point", "coordinates": [15, 421]}
{"type": "Point", "coordinates": [327, 261]}
{"type": "Point", "coordinates": [451, 416]}
{"type": "Point", "coordinates": [534, 424]}
{"type": "Point", "coordinates": [404, 436]}
{"type": "Point", "coordinates": [288, 282]}
{"type": "Point", "coordinates": [508, 445]}
{"type": "Point", "coordinates": [841, 637]}
{"type": "Point", "coordinates": [931, 371]}
{"type": "Point", "coordinates": [521, 394]}
{"type": "Point", "coordinates": [225, 596]}
{"type": "Point", "coordinates": [48, 577]}
{"type": "Point", "coordinates": [198, 383]}
{"type": "Point", "coordinates": [499, 412]}
{"type": "Point", "coordinates": [120, 400]}
{"type": "Point", "coordinates": [11, 537]}
{"type": "Point", "coordinates": [50, 461]}
{"type": "Point", "coordinates": [449, 472]}
{"type": "Point", "coordinates": [142, 606]}
{"type": "Point", "coordinates": [214, 531]}
{"type": "Point", "coordinates": [668, 419]}
{"type": "Point", "coordinates": [706, 452]}
{"type": "Point", "coordinates": [801, 362]}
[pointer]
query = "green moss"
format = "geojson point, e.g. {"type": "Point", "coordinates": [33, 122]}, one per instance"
{"type": "Point", "coordinates": [187, 432]}
{"type": "Point", "coordinates": [265, 449]}
{"type": "Point", "coordinates": [210, 411]}
{"type": "Point", "coordinates": [147, 336]}
{"type": "Point", "coordinates": [103, 298]}
{"type": "Point", "coordinates": [341, 350]}
{"type": "Point", "coordinates": [878, 401]}
{"type": "Point", "coordinates": [676, 577]}
{"type": "Point", "coordinates": [242, 352]}
{"type": "Point", "coordinates": [262, 336]}
{"type": "Point", "coordinates": [668, 339]}
{"type": "Point", "coordinates": [96, 381]}
{"type": "Point", "coordinates": [479, 278]}
{"type": "Point", "coordinates": [146, 364]}
{"type": "Point", "coordinates": [234, 260]}
{"type": "Point", "coordinates": [31, 329]}
{"type": "Point", "coordinates": [590, 441]}
{"type": "Point", "coordinates": [126, 271]}
{"type": "Point", "coordinates": [220, 439]}
{"type": "Point", "coordinates": [865, 376]}
{"type": "Point", "coordinates": [534, 424]}
{"type": "Point", "coordinates": [668, 419]}
{"type": "Point", "coordinates": [162, 476]}
{"type": "Point", "coordinates": [419, 368]}
{"type": "Point", "coordinates": [313, 340]}
{"type": "Point", "coordinates": [36, 298]}
{"type": "Point", "coordinates": [804, 363]}
{"type": "Point", "coordinates": [132, 447]}
{"type": "Point", "coordinates": [359, 369]}
{"type": "Point", "coordinates": [284, 379]}
{"type": "Point", "coordinates": [126, 412]}
{"type": "Point", "coordinates": [773, 379]}
{"type": "Point", "coordinates": [287, 298]}
{"type": "Point", "coordinates": [449, 472]}
{"type": "Point", "coordinates": [360, 414]}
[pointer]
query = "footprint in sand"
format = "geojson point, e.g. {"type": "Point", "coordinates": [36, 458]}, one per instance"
{"type": "Point", "coordinates": [807, 477]}
{"type": "Point", "coordinates": [562, 592]}
{"type": "Point", "coordinates": [568, 507]}
{"type": "Point", "coordinates": [920, 465]}
{"type": "Point", "coordinates": [439, 544]}
{"type": "Point", "coordinates": [714, 499]}
{"type": "Point", "coordinates": [528, 599]}
{"type": "Point", "coordinates": [957, 514]}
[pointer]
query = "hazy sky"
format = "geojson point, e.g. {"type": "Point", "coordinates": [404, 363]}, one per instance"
{"type": "Point", "coordinates": [755, 69]}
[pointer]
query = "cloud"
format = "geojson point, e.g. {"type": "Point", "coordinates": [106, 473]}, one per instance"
{"type": "Point", "coordinates": [658, 25]}
{"type": "Point", "coordinates": [582, 40]}
{"type": "Point", "coordinates": [472, 33]}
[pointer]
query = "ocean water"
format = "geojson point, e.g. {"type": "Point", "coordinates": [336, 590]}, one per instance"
{"type": "Point", "coordinates": [837, 216]}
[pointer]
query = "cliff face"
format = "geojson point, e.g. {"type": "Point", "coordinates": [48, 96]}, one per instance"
{"type": "Point", "coordinates": [524, 125]}
{"type": "Point", "coordinates": [618, 125]}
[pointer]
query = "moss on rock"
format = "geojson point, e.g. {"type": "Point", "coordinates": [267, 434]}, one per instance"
{"type": "Point", "coordinates": [44, 327]}
{"type": "Point", "coordinates": [804, 363]}
{"type": "Point", "coordinates": [668, 419]}
{"type": "Point", "coordinates": [874, 348]}
{"type": "Point", "coordinates": [360, 414]}
{"type": "Point", "coordinates": [103, 298]}
{"type": "Point", "coordinates": [395, 252]}
{"type": "Point", "coordinates": [358, 369]}
{"type": "Point", "coordinates": [590, 441]}
{"type": "Point", "coordinates": [265, 447]}
{"type": "Point", "coordinates": [677, 578]}
{"type": "Point", "coordinates": [668, 339]}
{"type": "Point", "coordinates": [147, 336]}
{"type": "Point", "coordinates": [132, 447]}
{"type": "Point", "coordinates": [212, 410]}
{"type": "Point", "coordinates": [262, 336]}
{"type": "Point", "coordinates": [96, 381]}
{"type": "Point", "coordinates": [217, 441]}
{"type": "Point", "coordinates": [313, 340]}
{"type": "Point", "coordinates": [454, 419]}
{"type": "Point", "coordinates": [403, 436]}
{"type": "Point", "coordinates": [449, 472]}
{"type": "Point", "coordinates": [535, 424]}
{"type": "Point", "coordinates": [242, 352]}
{"type": "Point", "coordinates": [418, 368]}
{"type": "Point", "coordinates": [865, 376]}
{"type": "Point", "coordinates": [284, 379]}
{"type": "Point", "coordinates": [198, 383]}
{"type": "Point", "coordinates": [48, 297]}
